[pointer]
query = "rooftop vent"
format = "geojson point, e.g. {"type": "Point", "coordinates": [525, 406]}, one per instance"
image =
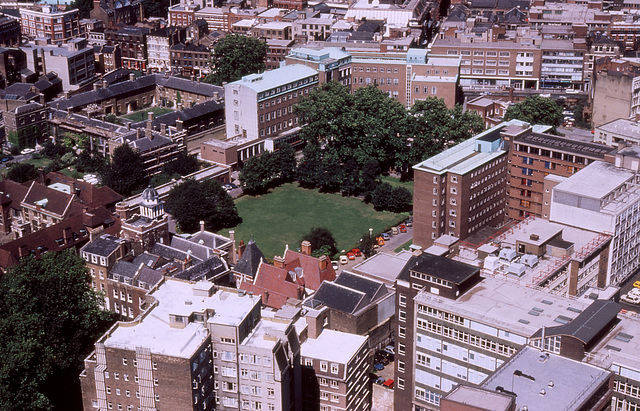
{"type": "Point", "coordinates": [534, 237]}
{"type": "Point", "coordinates": [542, 392]}
{"type": "Point", "coordinates": [551, 384]}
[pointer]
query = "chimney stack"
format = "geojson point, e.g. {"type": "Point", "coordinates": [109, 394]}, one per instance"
{"type": "Point", "coordinates": [150, 120]}
{"type": "Point", "coordinates": [132, 76]}
{"type": "Point", "coordinates": [163, 129]}
{"type": "Point", "coordinates": [306, 247]}
{"type": "Point", "coordinates": [278, 262]}
{"type": "Point", "coordinates": [41, 176]}
{"type": "Point", "coordinates": [234, 256]}
{"type": "Point", "coordinates": [202, 226]}
{"type": "Point", "coordinates": [323, 262]}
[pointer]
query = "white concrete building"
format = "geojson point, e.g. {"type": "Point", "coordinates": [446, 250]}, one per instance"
{"type": "Point", "coordinates": [605, 198]}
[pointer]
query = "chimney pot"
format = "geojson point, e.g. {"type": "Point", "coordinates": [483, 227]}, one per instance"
{"type": "Point", "coordinates": [306, 247]}
{"type": "Point", "coordinates": [278, 262]}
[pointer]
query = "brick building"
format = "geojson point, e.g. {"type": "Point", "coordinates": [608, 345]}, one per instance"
{"type": "Point", "coordinates": [334, 370]}
{"type": "Point", "coordinates": [462, 189]}
{"type": "Point", "coordinates": [191, 59]}
{"type": "Point", "coordinates": [132, 41]}
{"type": "Point", "coordinates": [532, 157]}
{"type": "Point", "coordinates": [59, 26]}
{"type": "Point", "coordinates": [10, 32]}
{"type": "Point", "coordinates": [114, 13]}
{"type": "Point", "coordinates": [159, 44]}
{"type": "Point", "coordinates": [25, 125]}
{"type": "Point", "coordinates": [182, 14]}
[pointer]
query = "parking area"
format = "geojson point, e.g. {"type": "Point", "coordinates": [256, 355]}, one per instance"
{"type": "Point", "coordinates": [625, 289]}
{"type": "Point", "coordinates": [382, 396]}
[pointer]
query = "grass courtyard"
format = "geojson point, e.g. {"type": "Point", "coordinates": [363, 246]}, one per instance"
{"type": "Point", "coordinates": [288, 212]}
{"type": "Point", "coordinates": [142, 114]}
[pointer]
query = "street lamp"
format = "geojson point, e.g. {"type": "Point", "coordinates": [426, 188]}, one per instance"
{"type": "Point", "coordinates": [370, 232]}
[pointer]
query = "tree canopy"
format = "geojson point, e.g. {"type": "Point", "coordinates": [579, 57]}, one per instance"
{"type": "Point", "coordinates": [322, 241]}
{"type": "Point", "coordinates": [191, 202]}
{"type": "Point", "coordinates": [235, 56]}
{"type": "Point", "coordinates": [22, 172]}
{"type": "Point", "coordinates": [260, 172]}
{"type": "Point", "coordinates": [536, 110]}
{"type": "Point", "coordinates": [50, 320]}
{"type": "Point", "coordinates": [125, 172]}
{"type": "Point", "coordinates": [184, 164]}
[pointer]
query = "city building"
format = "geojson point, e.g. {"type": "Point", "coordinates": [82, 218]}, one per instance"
{"type": "Point", "coordinates": [56, 25]}
{"type": "Point", "coordinates": [356, 305]}
{"type": "Point", "coordinates": [10, 32]}
{"type": "Point", "coordinates": [73, 62]}
{"type": "Point", "coordinates": [605, 198]}
{"type": "Point", "coordinates": [291, 278]}
{"type": "Point", "coordinates": [455, 327]}
{"type": "Point", "coordinates": [334, 369]}
{"type": "Point", "coordinates": [149, 226]}
{"type": "Point", "coordinates": [132, 41]}
{"type": "Point", "coordinates": [116, 13]}
{"type": "Point", "coordinates": [617, 131]}
{"type": "Point", "coordinates": [533, 157]}
{"type": "Point", "coordinates": [182, 14]}
{"type": "Point", "coordinates": [25, 125]}
{"type": "Point", "coordinates": [490, 109]}
{"type": "Point", "coordinates": [462, 189]}
{"type": "Point", "coordinates": [191, 59]}
{"type": "Point", "coordinates": [108, 58]}
{"type": "Point", "coordinates": [195, 347]}
{"type": "Point", "coordinates": [159, 43]}
{"type": "Point", "coordinates": [544, 380]}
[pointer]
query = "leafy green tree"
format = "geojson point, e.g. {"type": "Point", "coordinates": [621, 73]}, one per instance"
{"type": "Point", "coordinates": [236, 56]}
{"type": "Point", "coordinates": [433, 128]}
{"type": "Point", "coordinates": [191, 202]}
{"type": "Point", "coordinates": [320, 237]}
{"type": "Point", "coordinates": [536, 110]}
{"type": "Point", "coordinates": [286, 162]}
{"type": "Point", "coordinates": [396, 200]}
{"type": "Point", "coordinates": [125, 172]}
{"type": "Point", "coordinates": [90, 161]}
{"type": "Point", "coordinates": [50, 320]}
{"type": "Point", "coordinates": [184, 164]}
{"type": "Point", "coordinates": [367, 245]}
{"type": "Point", "coordinates": [22, 172]}
{"type": "Point", "coordinates": [112, 118]}
{"type": "Point", "coordinates": [258, 172]}
{"type": "Point", "coordinates": [53, 151]}
{"type": "Point", "coordinates": [310, 168]}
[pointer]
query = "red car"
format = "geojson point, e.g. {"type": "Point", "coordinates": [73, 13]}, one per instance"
{"type": "Point", "coordinates": [351, 256]}
{"type": "Point", "coordinates": [356, 252]}
{"type": "Point", "coordinates": [388, 383]}
{"type": "Point", "coordinates": [403, 228]}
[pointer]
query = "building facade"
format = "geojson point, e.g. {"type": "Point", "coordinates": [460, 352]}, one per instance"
{"type": "Point", "coordinates": [59, 26]}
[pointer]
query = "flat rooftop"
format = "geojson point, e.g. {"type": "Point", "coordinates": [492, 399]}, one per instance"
{"type": "Point", "coordinates": [580, 148]}
{"type": "Point", "coordinates": [383, 266]}
{"type": "Point", "coordinates": [619, 349]}
{"type": "Point", "coordinates": [276, 78]}
{"type": "Point", "coordinates": [627, 128]}
{"type": "Point", "coordinates": [333, 346]}
{"type": "Point", "coordinates": [177, 297]}
{"type": "Point", "coordinates": [596, 180]}
{"type": "Point", "coordinates": [510, 306]}
{"type": "Point", "coordinates": [267, 332]}
{"type": "Point", "coordinates": [481, 398]}
{"type": "Point", "coordinates": [567, 383]}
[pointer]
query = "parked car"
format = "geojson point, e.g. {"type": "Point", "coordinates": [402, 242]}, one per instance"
{"type": "Point", "coordinates": [409, 223]}
{"type": "Point", "coordinates": [402, 228]}
{"type": "Point", "coordinates": [634, 291]}
{"type": "Point", "coordinates": [27, 151]}
{"type": "Point", "coordinates": [385, 236]}
{"type": "Point", "coordinates": [380, 241]}
{"type": "Point", "coordinates": [7, 158]}
{"type": "Point", "coordinates": [351, 256]}
{"type": "Point", "coordinates": [630, 298]}
{"type": "Point", "coordinates": [227, 187]}
{"type": "Point", "coordinates": [394, 230]}
{"type": "Point", "coordinates": [343, 259]}
{"type": "Point", "coordinates": [388, 383]}
{"type": "Point", "coordinates": [335, 265]}
{"type": "Point", "coordinates": [636, 284]}
{"type": "Point", "coordinates": [380, 381]}
{"type": "Point", "coordinates": [357, 252]}
{"type": "Point", "coordinates": [390, 349]}
{"type": "Point", "coordinates": [378, 367]}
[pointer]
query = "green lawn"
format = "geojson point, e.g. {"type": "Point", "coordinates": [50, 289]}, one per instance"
{"type": "Point", "coordinates": [40, 162]}
{"type": "Point", "coordinates": [72, 173]}
{"type": "Point", "coordinates": [142, 114]}
{"type": "Point", "coordinates": [288, 212]}
{"type": "Point", "coordinates": [395, 182]}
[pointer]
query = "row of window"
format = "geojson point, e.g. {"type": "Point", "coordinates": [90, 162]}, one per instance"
{"type": "Point", "coordinates": [324, 366]}
{"type": "Point", "coordinates": [479, 53]}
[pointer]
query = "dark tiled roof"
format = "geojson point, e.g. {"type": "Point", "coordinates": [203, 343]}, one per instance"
{"type": "Point", "coordinates": [339, 298]}
{"type": "Point", "coordinates": [250, 259]}
{"type": "Point", "coordinates": [124, 269]}
{"type": "Point", "coordinates": [103, 245]}
{"type": "Point", "coordinates": [589, 324]}
{"type": "Point", "coordinates": [13, 191]}
{"type": "Point", "coordinates": [88, 194]}
{"type": "Point", "coordinates": [439, 267]}
{"type": "Point", "coordinates": [362, 284]}
{"type": "Point", "coordinates": [147, 259]}
{"type": "Point", "coordinates": [209, 269]}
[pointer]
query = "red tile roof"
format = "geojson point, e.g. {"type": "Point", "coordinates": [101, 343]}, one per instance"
{"type": "Point", "coordinates": [313, 275]}
{"type": "Point", "coordinates": [57, 202]}
{"type": "Point", "coordinates": [88, 194]}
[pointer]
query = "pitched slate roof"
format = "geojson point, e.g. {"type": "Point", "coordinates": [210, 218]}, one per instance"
{"type": "Point", "coordinates": [88, 194]}
{"type": "Point", "coordinates": [440, 267]}
{"type": "Point", "coordinates": [210, 269]}
{"type": "Point", "coordinates": [250, 259]}
{"type": "Point", "coordinates": [589, 324]}
{"type": "Point", "coordinates": [12, 193]}
{"type": "Point", "coordinates": [339, 298]}
{"type": "Point", "coordinates": [103, 246]}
